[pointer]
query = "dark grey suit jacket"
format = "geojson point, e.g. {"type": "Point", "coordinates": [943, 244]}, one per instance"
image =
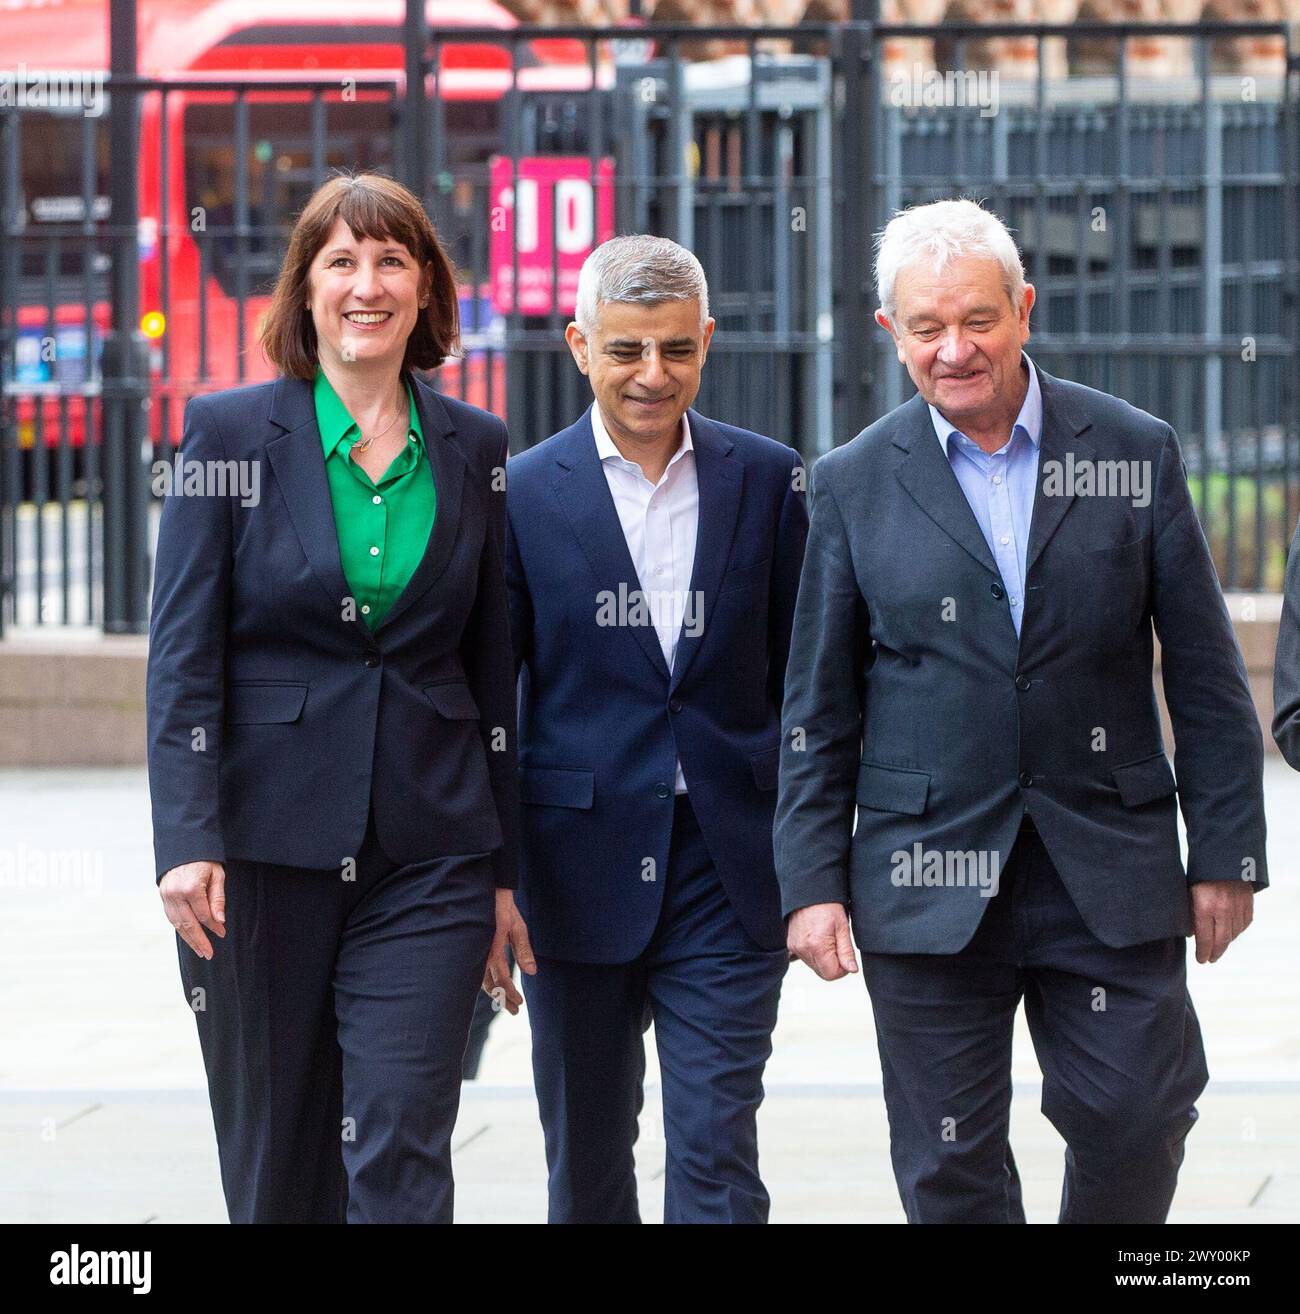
{"type": "Point", "coordinates": [909, 696]}
{"type": "Point", "coordinates": [1286, 664]}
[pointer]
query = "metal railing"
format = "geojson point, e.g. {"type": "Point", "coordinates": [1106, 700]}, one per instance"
{"type": "Point", "coordinates": [1158, 222]}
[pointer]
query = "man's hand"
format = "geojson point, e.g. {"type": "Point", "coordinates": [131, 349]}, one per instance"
{"type": "Point", "coordinates": [497, 979]}
{"type": "Point", "coordinates": [819, 935]}
{"type": "Point", "coordinates": [194, 896]}
{"type": "Point", "coordinates": [1221, 910]}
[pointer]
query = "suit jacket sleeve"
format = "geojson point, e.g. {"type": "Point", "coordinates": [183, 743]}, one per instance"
{"type": "Point", "coordinates": [821, 722]}
{"type": "Point", "coordinates": [485, 654]}
{"type": "Point", "coordinates": [521, 602]}
{"type": "Point", "coordinates": [185, 675]}
{"type": "Point", "coordinates": [1219, 751]}
{"type": "Point", "coordinates": [791, 540]}
{"type": "Point", "coordinates": [1286, 665]}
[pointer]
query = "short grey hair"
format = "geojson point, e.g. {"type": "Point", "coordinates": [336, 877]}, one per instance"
{"type": "Point", "coordinates": [639, 268]}
{"type": "Point", "coordinates": [940, 233]}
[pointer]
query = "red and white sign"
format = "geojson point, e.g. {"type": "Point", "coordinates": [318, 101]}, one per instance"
{"type": "Point", "coordinates": [560, 219]}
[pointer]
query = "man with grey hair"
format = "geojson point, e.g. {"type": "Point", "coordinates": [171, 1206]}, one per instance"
{"type": "Point", "coordinates": [970, 679]}
{"type": "Point", "coordinates": [653, 557]}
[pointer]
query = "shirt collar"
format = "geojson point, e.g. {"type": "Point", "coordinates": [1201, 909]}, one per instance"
{"type": "Point", "coordinates": [336, 423]}
{"type": "Point", "coordinates": [606, 450]}
{"type": "Point", "coordinates": [1030, 418]}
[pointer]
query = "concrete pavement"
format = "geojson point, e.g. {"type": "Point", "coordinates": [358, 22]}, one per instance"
{"type": "Point", "coordinates": [104, 1115]}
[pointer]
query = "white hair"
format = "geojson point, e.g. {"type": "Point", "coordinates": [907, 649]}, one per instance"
{"type": "Point", "coordinates": [639, 268]}
{"type": "Point", "coordinates": [940, 233]}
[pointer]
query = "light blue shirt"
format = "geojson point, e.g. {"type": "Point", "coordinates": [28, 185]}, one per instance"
{"type": "Point", "coordinates": [1000, 487]}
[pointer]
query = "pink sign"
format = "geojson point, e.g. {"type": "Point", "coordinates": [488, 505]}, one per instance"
{"type": "Point", "coordinates": [559, 222]}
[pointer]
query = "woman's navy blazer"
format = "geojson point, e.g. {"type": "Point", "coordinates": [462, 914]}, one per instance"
{"type": "Point", "coordinates": [275, 715]}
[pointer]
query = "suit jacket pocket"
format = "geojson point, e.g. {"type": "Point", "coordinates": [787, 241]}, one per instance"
{"type": "Point", "coordinates": [765, 766]}
{"type": "Point", "coordinates": [557, 787]}
{"type": "Point", "coordinates": [1144, 781]}
{"type": "Point", "coordinates": [893, 789]}
{"type": "Point", "coordinates": [743, 577]}
{"type": "Point", "coordinates": [264, 703]}
{"type": "Point", "coordinates": [454, 701]}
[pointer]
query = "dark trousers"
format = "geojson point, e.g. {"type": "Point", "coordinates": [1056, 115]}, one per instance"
{"type": "Point", "coordinates": [1114, 1032]}
{"type": "Point", "coordinates": [333, 1019]}
{"type": "Point", "coordinates": [712, 994]}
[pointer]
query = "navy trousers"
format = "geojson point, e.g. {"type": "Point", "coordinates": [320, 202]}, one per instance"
{"type": "Point", "coordinates": [712, 994]}
{"type": "Point", "coordinates": [1115, 1036]}
{"type": "Point", "coordinates": [333, 1019]}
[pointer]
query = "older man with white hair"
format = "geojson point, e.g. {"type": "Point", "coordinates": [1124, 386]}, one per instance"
{"type": "Point", "coordinates": [652, 560]}
{"type": "Point", "coordinates": [970, 679]}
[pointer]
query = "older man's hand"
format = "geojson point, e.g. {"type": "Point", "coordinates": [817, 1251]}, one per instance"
{"type": "Point", "coordinates": [819, 936]}
{"type": "Point", "coordinates": [194, 896]}
{"type": "Point", "coordinates": [1221, 910]}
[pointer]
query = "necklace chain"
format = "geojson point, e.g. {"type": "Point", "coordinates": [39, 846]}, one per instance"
{"type": "Point", "coordinates": [364, 444]}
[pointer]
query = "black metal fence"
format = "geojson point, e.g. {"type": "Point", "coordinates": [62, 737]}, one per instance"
{"type": "Point", "coordinates": [1158, 222]}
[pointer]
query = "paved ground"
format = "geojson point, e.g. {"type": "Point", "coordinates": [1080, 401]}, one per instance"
{"type": "Point", "coordinates": [103, 1114]}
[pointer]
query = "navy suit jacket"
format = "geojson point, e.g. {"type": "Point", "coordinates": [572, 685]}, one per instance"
{"type": "Point", "coordinates": [274, 714]}
{"type": "Point", "coordinates": [912, 708]}
{"type": "Point", "coordinates": [602, 721]}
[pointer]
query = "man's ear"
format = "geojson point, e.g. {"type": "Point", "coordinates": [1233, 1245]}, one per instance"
{"type": "Point", "coordinates": [709, 325]}
{"type": "Point", "coordinates": [885, 323]}
{"type": "Point", "coordinates": [577, 345]}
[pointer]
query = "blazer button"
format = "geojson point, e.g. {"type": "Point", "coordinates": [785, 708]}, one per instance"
{"type": "Point", "coordinates": [1023, 682]}
{"type": "Point", "coordinates": [1026, 780]}
{"type": "Point", "coordinates": [662, 790]}
{"type": "Point", "coordinates": [997, 591]}
{"type": "Point", "coordinates": [674, 704]}
{"type": "Point", "coordinates": [372, 659]}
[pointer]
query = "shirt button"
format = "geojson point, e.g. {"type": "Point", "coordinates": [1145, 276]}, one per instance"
{"type": "Point", "coordinates": [374, 551]}
{"type": "Point", "coordinates": [365, 609]}
{"type": "Point", "coordinates": [997, 479]}
{"type": "Point", "coordinates": [1015, 602]}
{"type": "Point", "coordinates": [376, 499]}
{"type": "Point", "coordinates": [1006, 538]}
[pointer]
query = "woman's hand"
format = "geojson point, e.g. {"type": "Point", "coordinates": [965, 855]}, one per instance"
{"type": "Point", "coordinates": [194, 896]}
{"type": "Point", "coordinates": [497, 979]}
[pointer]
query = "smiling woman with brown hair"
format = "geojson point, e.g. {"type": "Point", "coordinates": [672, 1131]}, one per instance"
{"type": "Point", "coordinates": [331, 730]}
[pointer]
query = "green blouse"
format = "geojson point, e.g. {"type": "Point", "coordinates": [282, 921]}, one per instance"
{"type": "Point", "coordinates": [383, 528]}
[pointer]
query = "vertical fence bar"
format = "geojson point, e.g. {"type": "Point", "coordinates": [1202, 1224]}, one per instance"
{"type": "Point", "coordinates": [856, 196]}
{"type": "Point", "coordinates": [1212, 317]}
{"type": "Point", "coordinates": [125, 369]}
{"type": "Point", "coordinates": [10, 459]}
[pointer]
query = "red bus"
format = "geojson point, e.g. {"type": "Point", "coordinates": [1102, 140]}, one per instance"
{"type": "Point", "coordinates": [205, 278]}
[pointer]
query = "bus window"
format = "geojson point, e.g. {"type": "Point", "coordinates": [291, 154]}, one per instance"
{"type": "Point", "coordinates": [278, 169]}
{"type": "Point", "coordinates": [52, 151]}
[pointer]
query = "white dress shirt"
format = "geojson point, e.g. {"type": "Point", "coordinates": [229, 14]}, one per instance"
{"type": "Point", "coordinates": [659, 522]}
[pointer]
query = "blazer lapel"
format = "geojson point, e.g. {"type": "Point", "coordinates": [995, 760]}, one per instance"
{"type": "Point", "coordinates": [583, 494]}
{"type": "Point", "coordinates": [1061, 427]}
{"type": "Point", "coordinates": [298, 461]}
{"type": "Point", "coordinates": [448, 464]}
{"type": "Point", "coordinates": [928, 477]}
{"type": "Point", "coordinates": [720, 479]}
